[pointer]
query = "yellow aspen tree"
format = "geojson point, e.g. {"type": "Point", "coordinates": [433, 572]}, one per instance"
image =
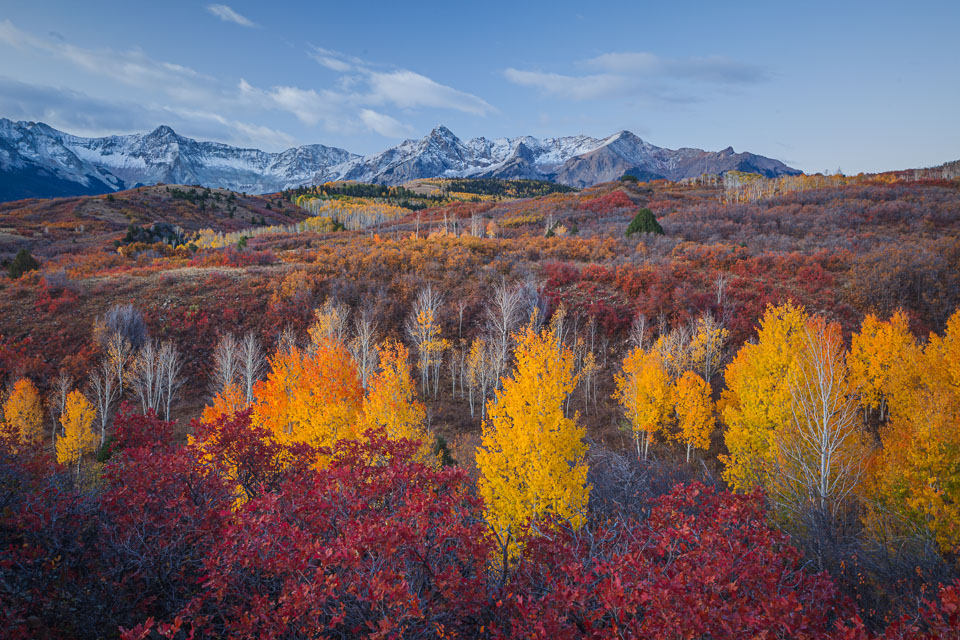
{"type": "Point", "coordinates": [645, 392]}
{"type": "Point", "coordinates": [820, 452]}
{"type": "Point", "coordinates": [391, 402]}
{"type": "Point", "coordinates": [876, 352]}
{"type": "Point", "coordinates": [694, 408]}
{"type": "Point", "coordinates": [78, 436]}
{"type": "Point", "coordinates": [329, 323]}
{"type": "Point", "coordinates": [757, 398]}
{"type": "Point", "coordinates": [478, 374]}
{"type": "Point", "coordinates": [532, 458]}
{"type": "Point", "coordinates": [917, 474]}
{"type": "Point", "coordinates": [707, 346]}
{"type": "Point", "coordinates": [23, 411]}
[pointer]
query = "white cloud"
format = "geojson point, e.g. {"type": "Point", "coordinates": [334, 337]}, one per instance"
{"type": "Point", "coordinates": [309, 106]}
{"type": "Point", "coordinates": [227, 14]}
{"type": "Point", "coordinates": [590, 87]}
{"type": "Point", "coordinates": [401, 87]}
{"type": "Point", "coordinates": [641, 75]}
{"type": "Point", "coordinates": [407, 89]}
{"type": "Point", "coordinates": [384, 124]}
{"type": "Point", "coordinates": [715, 69]}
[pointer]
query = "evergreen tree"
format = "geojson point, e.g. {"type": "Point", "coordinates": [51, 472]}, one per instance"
{"type": "Point", "coordinates": [644, 222]}
{"type": "Point", "coordinates": [22, 263]}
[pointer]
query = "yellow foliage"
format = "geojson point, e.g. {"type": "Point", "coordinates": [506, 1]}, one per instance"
{"type": "Point", "coordinates": [917, 473]}
{"type": "Point", "coordinates": [820, 453]}
{"type": "Point", "coordinates": [876, 352]}
{"type": "Point", "coordinates": [78, 437]}
{"type": "Point", "coordinates": [23, 411]}
{"type": "Point", "coordinates": [391, 402]}
{"type": "Point", "coordinates": [757, 398]}
{"type": "Point", "coordinates": [531, 458]}
{"type": "Point", "coordinates": [706, 346]}
{"type": "Point", "coordinates": [695, 420]}
{"type": "Point", "coordinates": [645, 393]}
{"type": "Point", "coordinates": [520, 221]}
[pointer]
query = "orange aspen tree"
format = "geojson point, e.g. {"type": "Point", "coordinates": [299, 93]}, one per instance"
{"type": "Point", "coordinates": [233, 398]}
{"type": "Point", "coordinates": [391, 402]}
{"type": "Point", "coordinates": [917, 475]}
{"type": "Point", "coordinates": [23, 411]}
{"type": "Point", "coordinates": [313, 398]}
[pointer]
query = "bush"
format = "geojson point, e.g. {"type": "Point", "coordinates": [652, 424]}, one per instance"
{"type": "Point", "coordinates": [644, 222]}
{"type": "Point", "coordinates": [22, 263]}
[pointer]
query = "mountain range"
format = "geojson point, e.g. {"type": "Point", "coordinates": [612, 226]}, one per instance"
{"type": "Point", "coordinates": [39, 161]}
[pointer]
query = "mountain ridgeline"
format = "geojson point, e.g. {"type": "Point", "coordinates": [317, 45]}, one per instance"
{"type": "Point", "coordinates": [38, 161]}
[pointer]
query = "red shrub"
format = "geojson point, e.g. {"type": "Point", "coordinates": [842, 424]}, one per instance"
{"type": "Point", "coordinates": [704, 565]}
{"type": "Point", "coordinates": [377, 545]}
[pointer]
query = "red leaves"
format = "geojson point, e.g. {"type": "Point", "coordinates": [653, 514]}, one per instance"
{"type": "Point", "coordinates": [235, 448]}
{"type": "Point", "coordinates": [136, 430]}
{"type": "Point", "coordinates": [377, 545]}
{"type": "Point", "coordinates": [703, 565]}
{"type": "Point", "coordinates": [613, 201]}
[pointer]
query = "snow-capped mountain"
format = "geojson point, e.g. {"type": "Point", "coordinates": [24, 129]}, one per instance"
{"type": "Point", "coordinates": [39, 161]}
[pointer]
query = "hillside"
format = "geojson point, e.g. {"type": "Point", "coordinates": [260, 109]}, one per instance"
{"type": "Point", "coordinates": [79, 224]}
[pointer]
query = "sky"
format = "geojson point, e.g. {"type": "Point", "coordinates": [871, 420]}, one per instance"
{"type": "Point", "coordinates": [823, 86]}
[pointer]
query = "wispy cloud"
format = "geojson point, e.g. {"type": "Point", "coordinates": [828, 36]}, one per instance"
{"type": "Point", "coordinates": [400, 87]}
{"type": "Point", "coordinates": [714, 69]}
{"type": "Point", "coordinates": [408, 89]}
{"type": "Point", "coordinates": [384, 124]}
{"type": "Point", "coordinates": [642, 75]}
{"type": "Point", "coordinates": [227, 14]}
{"type": "Point", "coordinates": [359, 99]}
{"type": "Point", "coordinates": [84, 115]}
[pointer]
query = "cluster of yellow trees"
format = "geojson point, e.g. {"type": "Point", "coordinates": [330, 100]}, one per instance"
{"type": "Point", "coordinates": [353, 213]}
{"type": "Point", "coordinates": [23, 417]}
{"type": "Point", "coordinates": [328, 215]}
{"type": "Point", "coordinates": [210, 239]}
{"type": "Point", "coordinates": [796, 408]}
{"type": "Point", "coordinates": [666, 389]}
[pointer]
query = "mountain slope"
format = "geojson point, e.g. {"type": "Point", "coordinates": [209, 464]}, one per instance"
{"type": "Point", "coordinates": [101, 165]}
{"type": "Point", "coordinates": [39, 161]}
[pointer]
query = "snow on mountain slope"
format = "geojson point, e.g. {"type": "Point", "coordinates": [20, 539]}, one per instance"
{"type": "Point", "coordinates": [32, 153]}
{"type": "Point", "coordinates": [100, 165]}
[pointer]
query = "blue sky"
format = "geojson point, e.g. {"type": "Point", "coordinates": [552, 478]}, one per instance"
{"type": "Point", "coordinates": [821, 86]}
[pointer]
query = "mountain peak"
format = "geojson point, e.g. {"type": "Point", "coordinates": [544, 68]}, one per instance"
{"type": "Point", "coordinates": [163, 131]}
{"type": "Point", "coordinates": [442, 133]}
